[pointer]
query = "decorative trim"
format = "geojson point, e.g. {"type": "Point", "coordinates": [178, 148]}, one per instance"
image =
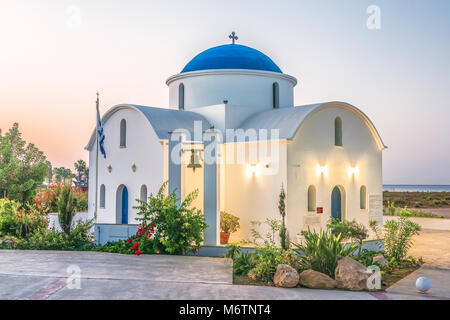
{"type": "Point", "coordinates": [261, 73]}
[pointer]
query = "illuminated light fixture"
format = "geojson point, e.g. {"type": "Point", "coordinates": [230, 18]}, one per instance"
{"type": "Point", "coordinates": [253, 169]}
{"type": "Point", "coordinates": [353, 171]}
{"type": "Point", "coordinates": [322, 170]}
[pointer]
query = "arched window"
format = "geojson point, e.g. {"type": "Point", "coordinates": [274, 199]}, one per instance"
{"type": "Point", "coordinates": [181, 96]}
{"type": "Point", "coordinates": [363, 197]}
{"type": "Point", "coordinates": [338, 132]}
{"type": "Point", "coordinates": [143, 193]}
{"type": "Point", "coordinates": [276, 95]}
{"type": "Point", "coordinates": [312, 199]}
{"type": "Point", "coordinates": [123, 133]}
{"type": "Point", "coordinates": [102, 196]}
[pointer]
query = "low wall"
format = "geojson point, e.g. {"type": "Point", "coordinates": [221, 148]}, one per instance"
{"type": "Point", "coordinates": [104, 232]}
{"type": "Point", "coordinates": [219, 251]}
{"type": "Point", "coordinates": [53, 219]}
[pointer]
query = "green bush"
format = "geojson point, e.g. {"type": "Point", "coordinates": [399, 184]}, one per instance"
{"type": "Point", "coordinates": [398, 237]}
{"type": "Point", "coordinates": [18, 222]}
{"type": "Point", "coordinates": [349, 230]}
{"type": "Point", "coordinates": [267, 260]}
{"type": "Point", "coordinates": [67, 205]}
{"type": "Point", "coordinates": [405, 212]}
{"type": "Point", "coordinates": [399, 202]}
{"type": "Point", "coordinates": [244, 262]}
{"type": "Point", "coordinates": [80, 238]}
{"type": "Point", "coordinates": [178, 227]}
{"type": "Point", "coordinates": [322, 251]}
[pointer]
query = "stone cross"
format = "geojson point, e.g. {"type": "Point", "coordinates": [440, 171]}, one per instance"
{"type": "Point", "coordinates": [233, 36]}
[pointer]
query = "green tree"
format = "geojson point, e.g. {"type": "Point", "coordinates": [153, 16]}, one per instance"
{"type": "Point", "coordinates": [284, 235]}
{"type": "Point", "coordinates": [23, 167]}
{"type": "Point", "coordinates": [67, 205]}
{"type": "Point", "coordinates": [63, 174]}
{"type": "Point", "coordinates": [82, 172]}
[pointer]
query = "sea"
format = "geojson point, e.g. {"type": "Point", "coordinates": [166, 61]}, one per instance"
{"type": "Point", "coordinates": [416, 187]}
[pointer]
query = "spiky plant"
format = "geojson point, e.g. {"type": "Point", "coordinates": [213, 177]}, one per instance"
{"type": "Point", "coordinates": [67, 204]}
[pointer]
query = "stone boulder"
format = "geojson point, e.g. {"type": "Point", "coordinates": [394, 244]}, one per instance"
{"type": "Point", "coordinates": [286, 276]}
{"type": "Point", "coordinates": [381, 260]}
{"type": "Point", "coordinates": [316, 280]}
{"type": "Point", "coordinates": [351, 275]}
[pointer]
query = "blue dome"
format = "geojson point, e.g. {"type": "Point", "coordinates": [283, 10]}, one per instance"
{"type": "Point", "coordinates": [231, 56]}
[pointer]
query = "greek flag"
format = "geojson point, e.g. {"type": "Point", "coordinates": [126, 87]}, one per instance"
{"type": "Point", "coordinates": [100, 135]}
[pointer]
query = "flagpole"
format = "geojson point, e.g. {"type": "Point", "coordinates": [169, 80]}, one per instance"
{"type": "Point", "coordinates": [96, 160]}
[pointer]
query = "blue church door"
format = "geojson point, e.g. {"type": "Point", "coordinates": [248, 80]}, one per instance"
{"type": "Point", "coordinates": [336, 203]}
{"type": "Point", "coordinates": [125, 205]}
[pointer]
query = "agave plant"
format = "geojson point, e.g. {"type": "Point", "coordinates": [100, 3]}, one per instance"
{"type": "Point", "coordinates": [322, 251]}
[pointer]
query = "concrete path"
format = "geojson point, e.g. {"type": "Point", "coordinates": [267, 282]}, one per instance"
{"type": "Point", "coordinates": [49, 275]}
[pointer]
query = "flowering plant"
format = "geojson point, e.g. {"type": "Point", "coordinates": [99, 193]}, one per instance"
{"type": "Point", "coordinates": [174, 225]}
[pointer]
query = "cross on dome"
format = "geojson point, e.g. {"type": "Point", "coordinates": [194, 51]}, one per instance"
{"type": "Point", "coordinates": [233, 37]}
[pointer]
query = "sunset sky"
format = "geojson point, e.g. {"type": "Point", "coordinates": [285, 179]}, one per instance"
{"type": "Point", "coordinates": [55, 55]}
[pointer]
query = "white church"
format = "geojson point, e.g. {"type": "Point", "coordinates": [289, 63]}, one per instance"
{"type": "Point", "coordinates": [232, 132]}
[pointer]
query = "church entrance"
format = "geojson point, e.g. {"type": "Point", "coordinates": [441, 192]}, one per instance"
{"type": "Point", "coordinates": [122, 205]}
{"type": "Point", "coordinates": [337, 203]}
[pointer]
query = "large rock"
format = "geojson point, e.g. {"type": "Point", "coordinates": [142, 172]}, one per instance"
{"type": "Point", "coordinates": [286, 276]}
{"type": "Point", "coordinates": [351, 275]}
{"type": "Point", "coordinates": [316, 280]}
{"type": "Point", "coordinates": [381, 260]}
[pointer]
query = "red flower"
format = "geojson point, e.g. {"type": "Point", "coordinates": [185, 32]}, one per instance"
{"type": "Point", "coordinates": [135, 246]}
{"type": "Point", "coordinates": [138, 253]}
{"type": "Point", "coordinates": [130, 240]}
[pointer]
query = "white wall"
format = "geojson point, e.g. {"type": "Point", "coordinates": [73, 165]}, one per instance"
{"type": "Point", "coordinates": [313, 145]}
{"type": "Point", "coordinates": [253, 196]}
{"type": "Point", "coordinates": [143, 149]}
{"type": "Point", "coordinates": [239, 87]}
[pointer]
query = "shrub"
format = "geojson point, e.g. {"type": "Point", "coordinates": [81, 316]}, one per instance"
{"type": "Point", "coordinates": [177, 226]}
{"type": "Point", "coordinates": [244, 262]}
{"type": "Point", "coordinates": [19, 222]}
{"type": "Point", "coordinates": [322, 251]}
{"type": "Point", "coordinates": [67, 204]}
{"type": "Point", "coordinates": [284, 235]}
{"type": "Point", "coordinates": [349, 230]}
{"type": "Point", "coordinates": [228, 222]}
{"type": "Point", "coordinates": [398, 237]}
{"type": "Point", "coordinates": [269, 238]}
{"type": "Point", "coordinates": [399, 202]}
{"type": "Point", "coordinates": [80, 238]}
{"type": "Point", "coordinates": [267, 260]}
{"type": "Point", "coordinates": [234, 250]}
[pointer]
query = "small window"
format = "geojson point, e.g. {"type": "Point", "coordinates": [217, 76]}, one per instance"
{"type": "Point", "coordinates": [181, 96]}
{"type": "Point", "coordinates": [312, 199]}
{"type": "Point", "coordinates": [143, 193]}
{"type": "Point", "coordinates": [363, 197]}
{"type": "Point", "coordinates": [123, 133]}
{"type": "Point", "coordinates": [102, 196]}
{"type": "Point", "coordinates": [338, 132]}
{"type": "Point", "coordinates": [276, 95]}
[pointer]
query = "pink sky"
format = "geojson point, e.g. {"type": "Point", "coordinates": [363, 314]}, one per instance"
{"type": "Point", "coordinates": [53, 61]}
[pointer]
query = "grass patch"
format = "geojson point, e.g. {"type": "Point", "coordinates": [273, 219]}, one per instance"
{"type": "Point", "coordinates": [417, 199]}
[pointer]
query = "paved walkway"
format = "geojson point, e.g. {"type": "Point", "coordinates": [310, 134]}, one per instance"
{"type": "Point", "coordinates": [47, 275]}
{"type": "Point", "coordinates": [434, 247]}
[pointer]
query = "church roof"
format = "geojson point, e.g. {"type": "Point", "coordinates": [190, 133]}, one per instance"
{"type": "Point", "coordinates": [289, 120]}
{"type": "Point", "coordinates": [162, 120]}
{"type": "Point", "coordinates": [231, 56]}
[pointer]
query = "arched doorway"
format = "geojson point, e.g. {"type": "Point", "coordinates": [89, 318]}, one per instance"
{"type": "Point", "coordinates": [337, 202]}
{"type": "Point", "coordinates": [122, 205]}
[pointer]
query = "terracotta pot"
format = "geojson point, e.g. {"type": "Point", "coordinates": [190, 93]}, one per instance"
{"type": "Point", "coordinates": [224, 237]}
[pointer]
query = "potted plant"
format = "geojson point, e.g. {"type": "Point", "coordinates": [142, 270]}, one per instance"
{"type": "Point", "coordinates": [228, 225]}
